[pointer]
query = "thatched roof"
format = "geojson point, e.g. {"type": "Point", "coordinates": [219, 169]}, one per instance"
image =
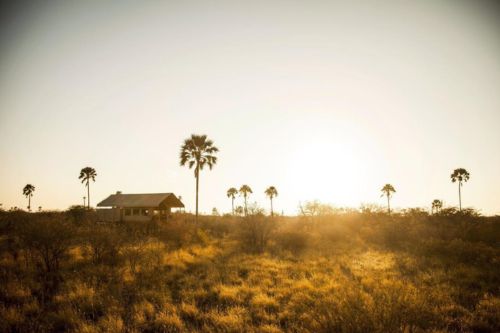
{"type": "Point", "coordinates": [144, 200]}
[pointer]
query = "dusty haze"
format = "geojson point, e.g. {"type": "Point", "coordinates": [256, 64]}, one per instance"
{"type": "Point", "coordinates": [323, 100]}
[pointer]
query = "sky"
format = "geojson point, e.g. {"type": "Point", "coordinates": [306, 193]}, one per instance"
{"type": "Point", "coordinates": [324, 100]}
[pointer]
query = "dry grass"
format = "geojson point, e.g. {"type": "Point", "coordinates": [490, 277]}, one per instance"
{"type": "Point", "coordinates": [341, 273]}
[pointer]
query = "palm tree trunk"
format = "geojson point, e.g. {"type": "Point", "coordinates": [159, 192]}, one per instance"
{"type": "Point", "coordinates": [197, 188]}
{"type": "Point", "coordinates": [29, 202]}
{"type": "Point", "coordinates": [246, 212]}
{"type": "Point", "coordinates": [88, 195]}
{"type": "Point", "coordinates": [272, 213]}
{"type": "Point", "coordinates": [459, 196]}
{"type": "Point", "coordinates": [232, 204]}
{"type": "Point", "coordinates": [388, 205]}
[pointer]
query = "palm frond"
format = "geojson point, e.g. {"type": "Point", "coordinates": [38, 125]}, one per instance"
{"type": "Point", "coordinates": [198, 151]}
{"type": "Point", "coordinates": [271, 192]}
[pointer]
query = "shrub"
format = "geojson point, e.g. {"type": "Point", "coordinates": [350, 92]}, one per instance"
{"type": "Point", "coordinates": [102, 243]}
{"type": "Point", "coordinates": [81, 215]}
{"type": "Point", "coordinates": [176, 233]}
{"type": "Point", "coordinates": [255, 232]}
{"type": "Point", "coordinates": [48, 239]}
{"type": "Point", "coordinates": [487, 315]}
{"type": "Point", "coordinates": [291, 240]}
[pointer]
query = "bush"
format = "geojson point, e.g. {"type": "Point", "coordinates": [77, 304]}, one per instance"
{"type": "Point", "coordinates": [255, 232]}
{"type": "Point", "coordinates": [102, 243]}
{"type": "Point", "coordinates": [81, 215]}
{"type": "Point", "coordinates": [487, 315]}
{"type": "Point", "coordinates": [176, 233]}
{"type": "Point", "coordinates": [47, 240]}
{"type": "Point", "coordinates": [290, 240]}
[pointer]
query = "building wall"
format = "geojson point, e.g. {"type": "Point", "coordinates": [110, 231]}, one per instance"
{"type": "Point", "coordinates": [137, 214]}
{"type": "Point", "coordinates": [131, 214]}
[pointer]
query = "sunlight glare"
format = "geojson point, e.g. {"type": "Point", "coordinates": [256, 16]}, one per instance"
{"type": "Point", "coordinates": [328, 171]}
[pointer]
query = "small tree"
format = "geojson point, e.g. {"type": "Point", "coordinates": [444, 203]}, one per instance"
{"type": "Point", "coordinates": [461, 176]}
{"type": "Point", "coordinates": [48, 240]}
{"type": "Point", "coordinates": [436, 205]}
{"type": "Point", "coordinates": [239, 210]}
{"type": "Point", "coordinates": [256, 229]}
{"type": "Point", "coordinates": [271, 192]}
{"type": "Point", "coordinates": [245, 191]}
{"type": "Point", "coordinates": [28, 192]}
{"type": "Point", "coordinates": [387, 191]}
{"type": "Point", "coordinates": [231, 193]}
{"type": "Point", "coordinates": [102, 243]}
{"type": "Point", "coordinates": [86, 175]}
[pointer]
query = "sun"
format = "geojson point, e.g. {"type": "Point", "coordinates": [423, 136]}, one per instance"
{"type": "Point", "coordinates": [329, 171]}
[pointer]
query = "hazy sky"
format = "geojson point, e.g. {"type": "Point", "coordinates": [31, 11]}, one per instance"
{"type": "Point", "coordinates": [322, 99]}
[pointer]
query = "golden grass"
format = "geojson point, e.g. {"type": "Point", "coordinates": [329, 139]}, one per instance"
{"type": "Point", "coordinates": [209, 284]}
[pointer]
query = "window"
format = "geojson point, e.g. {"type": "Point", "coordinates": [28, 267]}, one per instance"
{"type": "Point", "coordinates": [136, 211]}
{"type": "Point", "coordinates": [128, 212]}
{"type": "Point", "coordinates": [145, 212]}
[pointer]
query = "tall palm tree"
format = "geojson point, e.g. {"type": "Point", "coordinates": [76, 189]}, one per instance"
{"type": "Point", "coordinates": [271, 192]}
{"type": "Point", "coordinates": [86, 175]}
{"type": "Point", "coordinates": [231, 193]}
{"type": "Point", "coordinates": [245, 191]}
{"type": "Point", "coordinates": [198, 151]}
{"type": "Point", "coordinates": [461, 176]}
{"type": "Point", "coordinates": [387, 191]}
{"type": "Point", "coordinates": [436, 205]}
{"type": "Point", "coordinates": [28, 192]}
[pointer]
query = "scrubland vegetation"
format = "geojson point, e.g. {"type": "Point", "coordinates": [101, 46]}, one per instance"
{"type": "Point", "coordinates": [324, 271]}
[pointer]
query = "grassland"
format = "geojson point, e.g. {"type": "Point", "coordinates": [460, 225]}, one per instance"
{"type": "Point", "coordinates": [345, 271]}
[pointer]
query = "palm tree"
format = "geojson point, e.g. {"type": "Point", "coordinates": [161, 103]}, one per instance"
{"type": "Point", "coordinates": [461, 175]}
{"type": "Point", "coordinates": [197, 151]}
{"type": "Point", "coordinates": [271, 192]}
{"type": "Point", "coordinates": [86, 175]}
{"type": "Point", "coordinates": [436, 205]}
{"type": "Point", "coordinates": [245, 190]}
{"type": "Point", "coordinates": [231, 193]}
{"type": "Point", "coordinates": [28, 192]}
{"type": "Point", "coordinates": [387, 191]}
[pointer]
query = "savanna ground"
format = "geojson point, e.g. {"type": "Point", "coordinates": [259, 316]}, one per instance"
{"type": "Point", "coordinates": [324, 271]}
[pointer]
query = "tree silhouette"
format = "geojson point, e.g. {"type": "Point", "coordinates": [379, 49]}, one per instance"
{"type": "Point", "coordinates": [28, 192]}
{"type": "Point", "coordinates": [271, 192]}
{"type": "Point", "coordinates": [86, 175]}
{"type": "Point", "coordinates": [197, 151]}
{"type": "Point", "coordinates": [231, 193]}
{"type": "Point", "coordinates": [238, 210]}
{"type": "Point", "coordinates": [461, 176]}
{"type": "Point", "coordinates": [245, 191]}
{"type": "Point", "coordinates": [436, 205]}
{"type": "Point", "coordinates": [387, 191]}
